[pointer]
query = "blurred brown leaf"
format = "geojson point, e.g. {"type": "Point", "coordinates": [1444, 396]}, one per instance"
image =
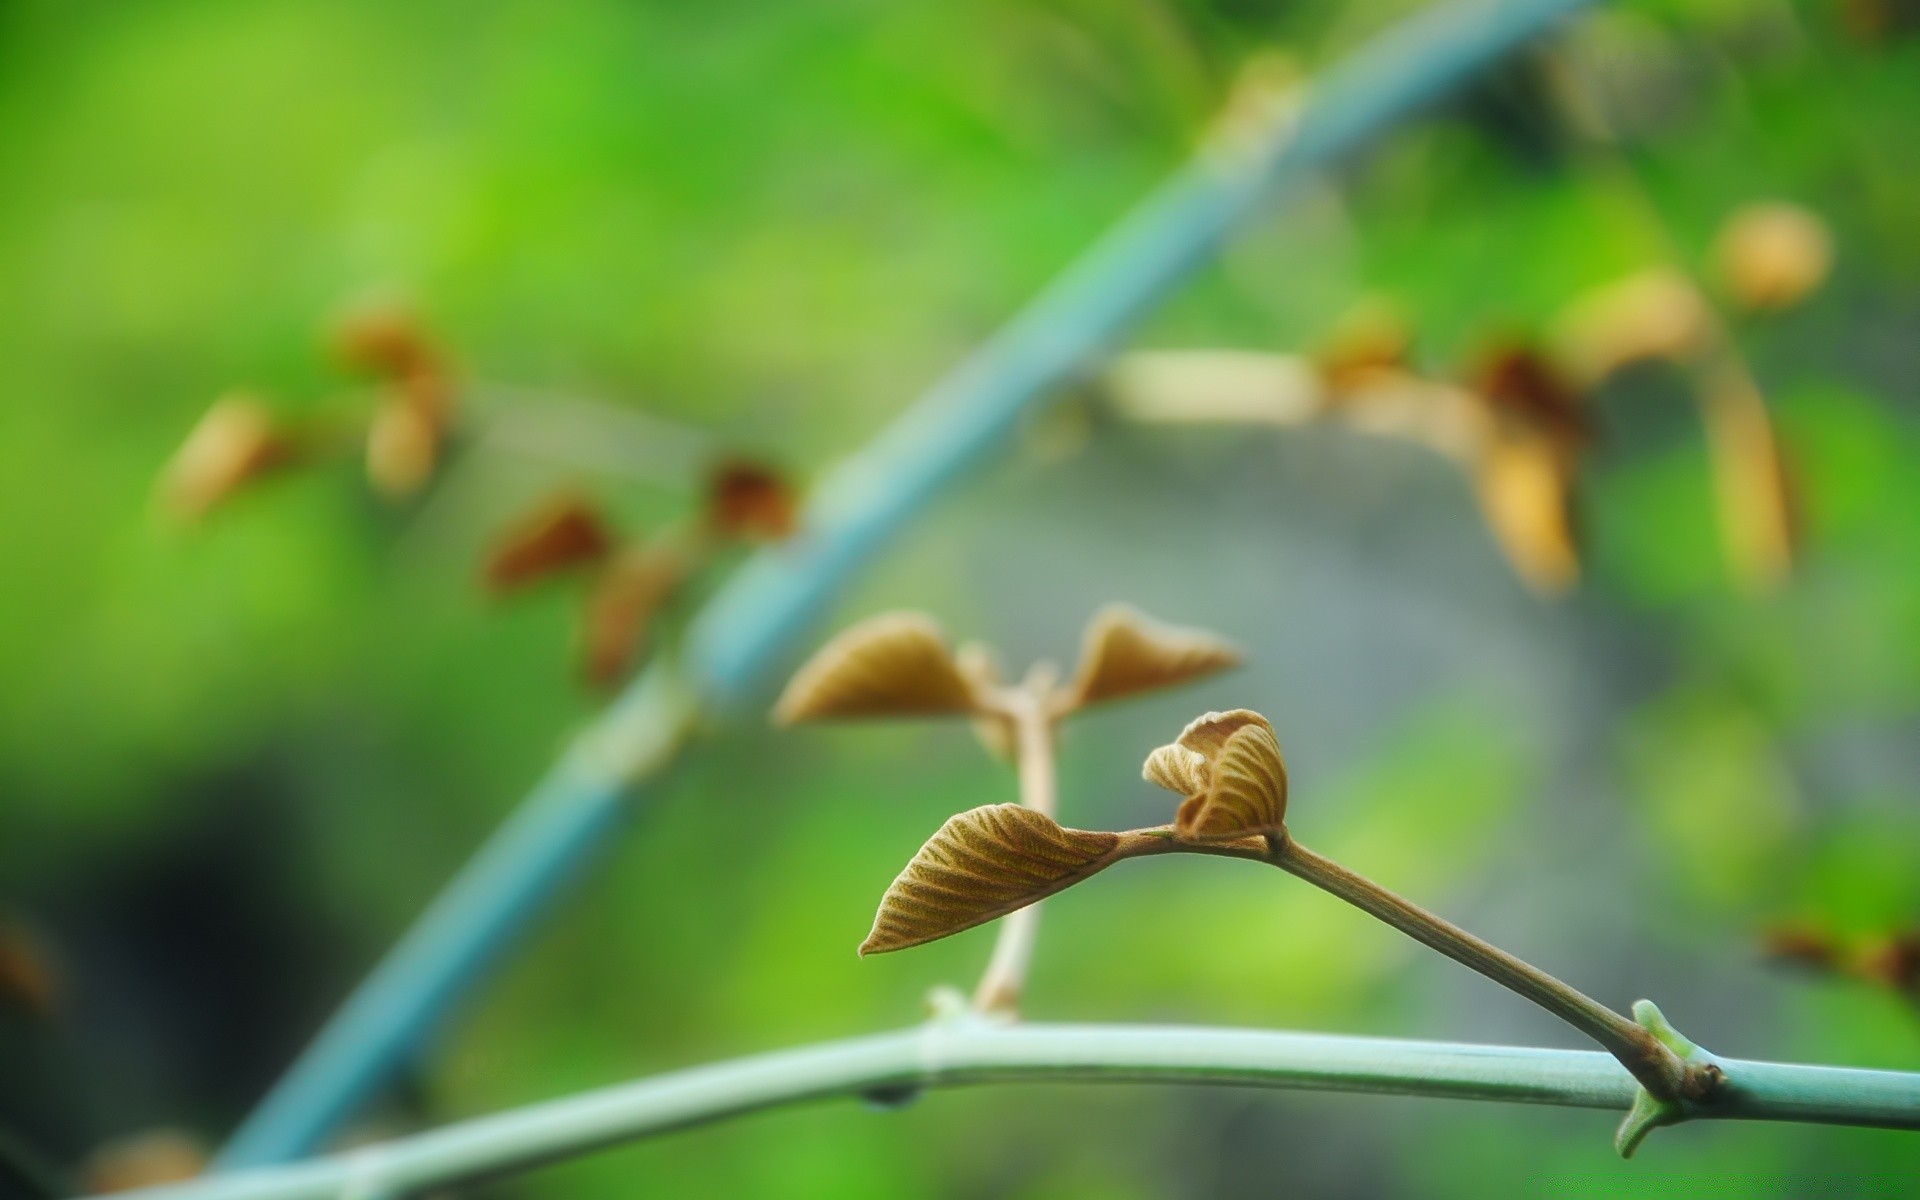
{"type": "Point", "coordinates": [980, 865]}
{"type": "Point", "coordinates": [144, 1160]}
{"type": "Point", "coordinates": [622, 604]}
{"type": "Point", "coordinates": [28, 980]}
{"type": "Point", "coordinates": [1125, 652]}
{"type": "Point", "coordinates": [1657, 314]}
{"type": "Point", "coordinates": [236, 442]}
{"type": "Point", "coordinates": [891, 665]}
{"type": "Point", "coordinates": [563, 533]}
{"type": "Point", "coordinates": [1772, 255]}
{"type": "Point", "coordinates": [751, 501]}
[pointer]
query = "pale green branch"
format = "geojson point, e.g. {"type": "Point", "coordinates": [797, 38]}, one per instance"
{"type": "Point", "coordinates": [965, 1050]}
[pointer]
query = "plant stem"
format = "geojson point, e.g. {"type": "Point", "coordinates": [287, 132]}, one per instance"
{"type": "Point", "coordinates": [747, 628]}
{"type": "Point", "coordinates": [1657, 1068]}
{"type": "Point", "coordinates": [949, 1053]}
{"type": "Point", "coordinates": [1006, 975]}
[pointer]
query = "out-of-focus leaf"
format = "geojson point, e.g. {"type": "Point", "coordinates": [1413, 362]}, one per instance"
{"type": "Point", "coordinates": [234, 443]}
{"type": "Point", "coordinates": [1773, 255]}
{"type": "Point", "coordinates": [1125, 652]}
{"type": "Point", "coordinates": [751, 501]}
{"type": "Point", "coordinates": [892, 665]}
{"type": "Point", "coordinates": [564, 533]}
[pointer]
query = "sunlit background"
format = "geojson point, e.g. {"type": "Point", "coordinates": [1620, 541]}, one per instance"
{"type": "Point", "coordinates": [239, 753]}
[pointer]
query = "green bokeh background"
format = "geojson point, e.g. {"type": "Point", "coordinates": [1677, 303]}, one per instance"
{"type": "Point", "coordinates": [235, 760]}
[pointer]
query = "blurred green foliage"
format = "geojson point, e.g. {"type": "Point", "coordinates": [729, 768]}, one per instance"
{"type": "Point", "coordinates": [235, 760]}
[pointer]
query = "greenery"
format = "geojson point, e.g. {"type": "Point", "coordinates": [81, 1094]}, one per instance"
{"type": "Point", "coordinates": [236, 759]}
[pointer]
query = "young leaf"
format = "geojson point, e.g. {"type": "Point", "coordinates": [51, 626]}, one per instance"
{"type": "Point", "coordinates": [1774, 255]}
{"type": "Point", "coordinates": [622, 605]}
{"type": "Point", "coordinates": [403, 444]}
{"type": "Point", "coordinates": [892, 665]}
{"type": "Point", "coordinates": [235, 443]}
{"type": "Point", "coordinates": [1654, 314]}
{"type": "Point", "coordinates": [751, 501]}
{"type": "Point", "coordinates": [1526, 491]}
{"type": "Point", "coordinates": [1228, 766]}
{"type": "Point", "coordinates": [563, 533]}
{"type": "Point", "coordinates": [1125, 652]}
{"type": "Point", "coordinates": [982, 864]}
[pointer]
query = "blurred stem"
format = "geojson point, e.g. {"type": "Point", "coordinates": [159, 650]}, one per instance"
{"type": "Point", "coordinates": [1657, 1068]}
{"type": "Point", "coordinates": [1033, 736]}
{"type": "Point", "coordinates": [971, 1051]}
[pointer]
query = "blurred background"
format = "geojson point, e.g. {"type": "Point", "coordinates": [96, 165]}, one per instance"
{"type": "Point", "coordinates": [243, 743]}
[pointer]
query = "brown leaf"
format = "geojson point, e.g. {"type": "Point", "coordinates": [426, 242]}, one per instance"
{"type": "Point", "coordinates": [1805, 945]}
{"type": "Point", "coordinates": [1893, 961]}
{"type": "Point", "coordinates": [564, 533]}
{"type": "Point", "coordinates": [384, 339]}
{"type": "Point", "coordinates": [1524, 389]}
{"type": "Point", "coordinates": [403, 444]}
{"type": "Point", "coordinates": [751, 501]}
{"type": "Point", "coordinates": [28, 980]}
{"type": "Point", "coordinates": [892, 665]}
{"type": "Point", "coordinates": [1228, 766]}
{"type": "Point", "coordinates": [1771, 256]}
{"type": "Point", "coordinates": [141, 1160]}
{"type": "Point", "coordinates": [235, 443]}
{"type": "Point", "coordinates": [982, 864]}
{"type": "Point", "coordinates": [1125, 652]}
{"type": "Point", "coordinates": [1369, 339]}
{"type": "Point", "coordinates": [1654, 315]}
{"type": "Point", "coordinates": [1758, 516]}
{"type": "Point", "coordinates": [621, 607]}
{"type": "Point", "coordinates": [1526, 490]}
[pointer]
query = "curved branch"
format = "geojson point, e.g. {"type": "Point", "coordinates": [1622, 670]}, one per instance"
{"type": "Point", "coordinates": [965, 1050]}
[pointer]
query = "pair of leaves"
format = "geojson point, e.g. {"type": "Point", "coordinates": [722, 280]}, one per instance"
{"type": "Point", "coordinates": [900, 664]}
{"type": "Point", "coordinates": [626, 589]}
{"type": "Point", "coordinates": [415, 413]}
{"type": "Point", "coordinates": [990, 861]}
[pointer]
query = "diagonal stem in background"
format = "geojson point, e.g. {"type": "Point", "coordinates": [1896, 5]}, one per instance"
{"type": "Point", "coordinates": [749, 626]}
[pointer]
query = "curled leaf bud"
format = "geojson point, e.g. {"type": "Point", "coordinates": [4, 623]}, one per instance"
{"type": "Point", "coordinates": [892, 665]}
{"type": "Point", "coordinates": [1125, 652]}
{"type": "Point", "coordinates": [235, 443]}
{"type": "Point", "coordinates": [564, 533]}
{"type": "Point", "coordinates": [1772, 256]}
{"type": "Point", "coordinates": [983, 864]}
{"type": "Point", "coordinates": [751, 501]}
{"type": "Point", "coordinates": [1229, 768]}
